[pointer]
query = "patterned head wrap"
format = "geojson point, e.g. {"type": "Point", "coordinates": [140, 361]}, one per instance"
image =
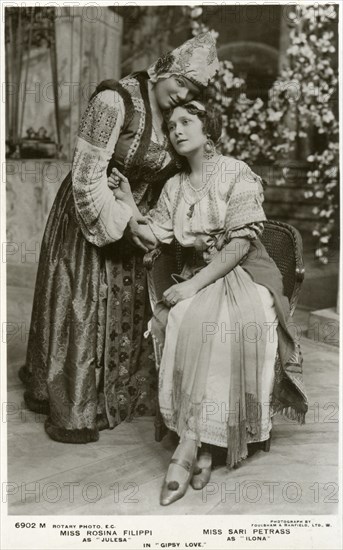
{"type": "Point", "coordinates": [196, 60]}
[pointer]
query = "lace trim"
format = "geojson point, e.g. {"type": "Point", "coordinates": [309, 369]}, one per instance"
{"type": "Point", "coordinates": [83, 167]}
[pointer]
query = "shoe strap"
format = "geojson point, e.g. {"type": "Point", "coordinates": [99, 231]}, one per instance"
{"type": "Point", "coordinates": [181, 462]}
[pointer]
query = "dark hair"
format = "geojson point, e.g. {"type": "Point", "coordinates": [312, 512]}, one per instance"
{"type": "Point", "coordinates": [211, 118]}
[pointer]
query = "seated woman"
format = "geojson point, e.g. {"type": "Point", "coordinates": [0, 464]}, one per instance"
{"type": "Point", "coordinates": [224, 323]}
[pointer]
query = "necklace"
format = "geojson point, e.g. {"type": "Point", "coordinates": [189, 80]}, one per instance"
{"type": "Point", "coordinates": [195, 189]}
{"type": "Point", "coordinates": [192, 195]}
{"type": "Point", "coordinates": [156, 117]}
{"type": "Point", "coordinates": [196, 195]}
{"type": "Point", "coordinates": [159, 140]}
{"type": "Point", "coordinates": [158, 146]}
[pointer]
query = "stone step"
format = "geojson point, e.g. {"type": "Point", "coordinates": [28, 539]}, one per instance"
{"type": "Point", "coordinates": [324, 326]}
{"type": "Point", "coordinates": [21, 275]}
{"type": "Point", "coordinates": [292, 177]}
{"type": "Point", "coordinates": [295, 211]}
{"type": "Point", "coordinates": [320, 286]}
{"type": "Point", "coordinates": [290, 195]}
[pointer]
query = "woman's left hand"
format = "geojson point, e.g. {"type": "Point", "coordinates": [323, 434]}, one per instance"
{"type": "Point", "coordinates": [179, 292]}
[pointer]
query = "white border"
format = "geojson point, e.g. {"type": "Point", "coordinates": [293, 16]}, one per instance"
{"type": "Point", "coordinates": [176, 527]}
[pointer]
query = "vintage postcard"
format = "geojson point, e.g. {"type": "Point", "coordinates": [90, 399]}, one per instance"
{"type": "Point", "coordinates": [170, 282]}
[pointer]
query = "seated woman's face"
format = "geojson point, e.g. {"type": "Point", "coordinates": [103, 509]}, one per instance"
{"type": "Point", "coordinates": [174, 90]}
{"type": "Point", "coordinates": [185, 132]}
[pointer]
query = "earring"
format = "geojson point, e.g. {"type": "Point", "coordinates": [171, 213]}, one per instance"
{"type": "Point", "coordinates": [209, 149]}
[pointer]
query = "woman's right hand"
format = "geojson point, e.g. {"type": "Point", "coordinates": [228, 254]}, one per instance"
{"type": "Point", "coordinates": [120, 185]}
{"type": "Point", "coordinates": [139, 233]}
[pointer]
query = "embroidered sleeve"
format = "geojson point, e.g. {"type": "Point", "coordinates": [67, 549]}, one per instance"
{"type": "Point", "coordinates": [102, 217]}
{"type": "Point", "coordinates": [250, 231]}
{"type": "Point", "coordinates": [160, 218]}
{"type": "Point", "coordinates": [245, 214]}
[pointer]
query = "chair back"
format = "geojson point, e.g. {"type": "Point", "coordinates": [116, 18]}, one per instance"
{"type": "Point", "coordinates": [284, 245]}
{"type": "Point", "coordinates": [282, 241]}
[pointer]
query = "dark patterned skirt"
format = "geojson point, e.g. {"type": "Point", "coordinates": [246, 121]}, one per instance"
{"type": "Point", "coordinates": [88, 364]}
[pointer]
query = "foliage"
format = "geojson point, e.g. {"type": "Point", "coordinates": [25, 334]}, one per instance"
{"type": "Point", "coordinates": [300, 111]}
{"type": "Point", "coordinates": [245, 133]}
{"type": "Point", "coordinates": [302, 107]}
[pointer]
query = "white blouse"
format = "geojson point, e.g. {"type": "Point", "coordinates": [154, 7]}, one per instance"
{"type": "Point", "coordinates": [229, 204]}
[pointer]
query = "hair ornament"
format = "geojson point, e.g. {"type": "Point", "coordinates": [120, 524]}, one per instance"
{"type": "Point", "coordinates": [197, 105]}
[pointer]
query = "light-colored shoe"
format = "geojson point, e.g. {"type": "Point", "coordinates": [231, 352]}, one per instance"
{"type": "Point", "coordinates": [202, 474]}
{"type": "Point", "coordinates": [201, 477]}
{"type": "Point", "coordinates": [173, 490]}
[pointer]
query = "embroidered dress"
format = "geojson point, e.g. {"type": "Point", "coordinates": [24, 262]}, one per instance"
{"type": "Point", "coordinates": [88, 366]}
{"type": "Point", "coordinates": [217, 372]}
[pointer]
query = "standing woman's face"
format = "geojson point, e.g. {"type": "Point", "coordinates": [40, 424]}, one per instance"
{"type": "Point", "coordinates": [174, 90]}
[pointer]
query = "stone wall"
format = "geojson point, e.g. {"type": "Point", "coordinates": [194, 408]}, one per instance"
{"type": "Point", "coordinates": [88, 44]}
{"type": "Point", "coordinates": [88, 48]}
{"type": "Point", "coordinates": [285, 200]}
{"type": "Point", "coordinates": [31, 187]}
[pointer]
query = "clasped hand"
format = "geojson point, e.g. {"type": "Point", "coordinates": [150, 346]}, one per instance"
{"type": "Point", "coordinates": [120, 186]}
{"type": "Point", "coordinates": [179, 292]}
{"type": "Point", "coordinates": [137, 231]}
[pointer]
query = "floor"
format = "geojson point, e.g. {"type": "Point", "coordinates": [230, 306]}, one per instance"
{"type": "Point", "coordinates": [122, 473]}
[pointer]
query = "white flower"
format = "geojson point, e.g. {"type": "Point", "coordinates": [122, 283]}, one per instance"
{"type": "Point", "coordinates": [328, 116]}
{"type": "Point", "coordinates": [274, 116]}
{"type": "Point", "coordinates": [196, 12]}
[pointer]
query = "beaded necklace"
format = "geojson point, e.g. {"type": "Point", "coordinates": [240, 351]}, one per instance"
{"type": "Point", "coordinates": [192, 195]}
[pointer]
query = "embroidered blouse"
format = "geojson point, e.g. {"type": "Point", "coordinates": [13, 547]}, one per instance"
{"type": "Point", "coordinates": [228, 205]}
{"type": "Point", "coordinates": [102, 217]}
{"type": "Point", "coordinates": [102, 134]}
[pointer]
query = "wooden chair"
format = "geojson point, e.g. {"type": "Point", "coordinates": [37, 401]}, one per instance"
{"type": "Point", "coordinates": [283, 243]}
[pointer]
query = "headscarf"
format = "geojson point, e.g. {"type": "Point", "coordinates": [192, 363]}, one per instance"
{"type": "Point", "coordinates": [196, 60]}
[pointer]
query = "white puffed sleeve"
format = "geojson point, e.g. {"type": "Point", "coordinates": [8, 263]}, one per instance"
{"type": "Point", "coordinates": [245, 214]}
{"type": "Point", "coordinates": [102, 217]}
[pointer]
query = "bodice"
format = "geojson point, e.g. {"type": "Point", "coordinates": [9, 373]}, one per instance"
{"type": "Point", "coordinates": [146, 163]}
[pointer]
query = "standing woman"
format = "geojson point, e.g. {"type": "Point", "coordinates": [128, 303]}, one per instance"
{"type": "Point", "coordinates": [88, 366]}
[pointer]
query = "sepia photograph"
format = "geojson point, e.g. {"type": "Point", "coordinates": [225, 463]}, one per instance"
{"type": "Point", "coordinates": [170, 282]}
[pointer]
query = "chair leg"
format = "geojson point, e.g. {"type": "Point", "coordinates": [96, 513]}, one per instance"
{"type": "Point", "coordinates": [266, 444]}
{"type": "Point", "coordinates": [160, 427]}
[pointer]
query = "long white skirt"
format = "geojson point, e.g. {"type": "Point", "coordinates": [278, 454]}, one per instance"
{"type": "Point", "coordinates": [216, 405]}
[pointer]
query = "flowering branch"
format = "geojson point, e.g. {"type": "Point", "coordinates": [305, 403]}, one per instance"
{"type": "Point", "coordinates": [305, 93]}
{"type": "Point", "coordinates": [300, 104]}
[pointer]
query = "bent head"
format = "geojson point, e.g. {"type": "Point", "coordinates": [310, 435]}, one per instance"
{"type": "Point", "coordinates": [180, 75]}
{"type": "Point", "coordinates": [191, 125]}
{"type": "Point", "coordinates": [174, 90]}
